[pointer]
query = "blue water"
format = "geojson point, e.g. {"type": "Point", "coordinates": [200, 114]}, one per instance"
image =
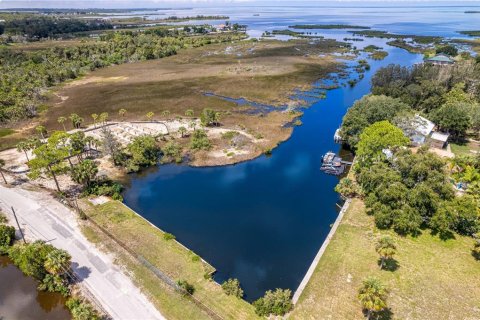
{"type": "Point", "coordinates": [260, 221]}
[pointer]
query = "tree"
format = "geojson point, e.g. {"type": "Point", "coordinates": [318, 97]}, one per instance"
{"type": "Point", "coordinates": [62, 120]}
{"type": "Point", "coordinates": [143, 151]}
{"type": "Point", "coordinates": [447, 49]}
{"type": "Point", "coordinates": [25, 147]}
{"type": "Point", "coordinates": [166, 114]}
{"type": "Point", "coordinates": [453, 117]}
{"type": "Point", "coordinates": [42, 131]}
{"type": "Point", "coordinates": [94, 117]}
{"type": "Point", "coordinates": [150, 115]}
{"type": "Point", "coordinates": [103, 117]}
{"type": "Point", "coordinates": [189, 288]}
{"type": "Point", "coordinates": [189, 113]}
{"type": "Point", "coordinates": [111, 146]}
{"type": "Point", "coordinates": [192, 124]}
{"type": "Point", "coordinates": [365, 112]}
{"type": "Point", "coordinates": [182, 130]}
{"type": "Point", "coordinates": [122, 113]}
{"type": "Point", "coordinates": [2, 164]}
{"type": "Point", "coordinates": [377, 137]}
{"type": "Point", "coordinates": [49, 157]}
{"type": "Point", "coordinates": [173, 150]}
{"type": "Point", "coordinates": [209, 117]}
{"type": "Point", "coordinates": [277, 302]}
{"type": "Point", "coordinates": [31, 257]}
{"type": "Point", "coordinates": [386, 248]}
{"type": "Point", "coordinates": [76, 120]}
{"type": "Point", "coordinates": [476, 250]}
{"type": "Point", "coordinates": [461, 214]}
{"type": "Point", "coordinates": [7, 236]}
{"type": "Point", "coordinates": [85, 172]}
{"type": "Point", "coordinates": [373, 296]}
{"type": "Point", "coordinates": [81, 310]}
{"type": "Point", "coordinates": [57, 262]}
{"type": "Point", "coordinates": [199, 140]}
{"type": "Point", "coordinates": [232, 288]}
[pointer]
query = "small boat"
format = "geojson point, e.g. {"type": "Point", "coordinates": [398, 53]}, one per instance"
{"type": "Point", "coordinates": [332, 164]}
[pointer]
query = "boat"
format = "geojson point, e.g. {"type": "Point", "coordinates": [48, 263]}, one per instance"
{"type": "Point", "coordinates": [332, 164]}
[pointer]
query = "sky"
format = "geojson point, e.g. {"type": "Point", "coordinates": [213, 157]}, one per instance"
{"type": "Point", "coordinates": [192, 3]}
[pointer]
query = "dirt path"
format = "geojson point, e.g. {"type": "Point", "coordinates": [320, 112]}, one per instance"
{"type": "Point", "coordinates": [42, 217]}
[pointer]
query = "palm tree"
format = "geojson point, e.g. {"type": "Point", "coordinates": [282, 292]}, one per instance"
{"type": "Point", "coordinates": [62, 121]}
{"type": "Point", "coordinates": [165, 113]}
{"type": "Point", "coordinates": [103, 117]}
{"type": "Point", "coordinates": [58, 262]}
{"type": "Point", "coordinates": [372, 296]}
{"type": "Point", "coordinates": [76, 120]}
{"type": "Point", "coordinates": [42, 131]}
{"type": "Point", "coordinates": [386, 248]}
{"type": "Point", "coordinates": [2, 164]}
{"type": "Point", "coordinates": [192, 125]}
{"type": "Point", "coordinates": [94, 117]}
{"type": "Point", "coordinates": [150, 115]}
{"type": "Point", "coordinates": [189, 113]}
{"type": "Point", "coordinates": [182, 130]}
{"type": "Point", "coordinates": [122, 112]}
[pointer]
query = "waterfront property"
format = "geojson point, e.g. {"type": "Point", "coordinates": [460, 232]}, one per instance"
{"type": "Point", "coordinates": [440, 59]}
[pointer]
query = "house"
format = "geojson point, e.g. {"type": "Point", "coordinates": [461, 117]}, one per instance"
{"type": "Point", "coordinates": [418, 130]}
{"type": "Point", "coordinates": [439, 140]}
{"type": "Point", "coordinates": [440, 59]}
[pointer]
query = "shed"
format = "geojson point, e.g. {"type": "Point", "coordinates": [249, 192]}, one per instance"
{"type": "Point", "coordinates": [439, 139]}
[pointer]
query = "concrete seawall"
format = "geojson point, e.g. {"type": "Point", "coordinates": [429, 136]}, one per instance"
{"type": "Point", "coordinates": [319, 255]}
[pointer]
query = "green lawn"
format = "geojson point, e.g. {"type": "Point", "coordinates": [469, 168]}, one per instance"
{"type": "Point", "coordinates": [464, 149]}
{"type": "Point", "coordinates": [435, 279]}
{"type": "Point", "coordinates": [168, 256]}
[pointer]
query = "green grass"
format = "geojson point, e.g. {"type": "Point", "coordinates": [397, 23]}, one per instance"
{"type": "Point", "coordinates": [5, 132]}
{"type": "Point", "coordinates": [171, 258]}
{"type": "Point", "coordinates": [435, 279]}
{"type": "Point", "coordinates": [464, 149]}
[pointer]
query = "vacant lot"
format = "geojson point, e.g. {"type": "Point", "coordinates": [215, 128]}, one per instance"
{"type": "Point", "coordinates": [168, 256]}
{"type": "Point", "coordinates": [435, 279]}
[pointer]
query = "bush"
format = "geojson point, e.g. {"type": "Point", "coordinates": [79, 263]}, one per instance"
{"type": "Point", "coordinates": [277, 302]}
{"type": "Point", "coordinates": [196, 258]}
{"type": "Point", "coordinates": [168, 236]}
{"type": "Point", "coordinates": [7, 235]}
{"type": "Point", "coordinates": [347, 188]}
{"type": "Point", "coordinates": [54, 283]}
{"type": "Point", "coordinates": [189, 288]}
{"type": "Point", "coordinates": [81, 310]}
{"type": "Point", "coordinates": [30, 258]}
{"type": "Point", "coordinates": [3, 218]}
{"type": "Point", "coordinates": [232, 288]}
{"type": "Point", "coordinates": [105, 188]}
{"type": "Point", "coordinates": [199, 140]}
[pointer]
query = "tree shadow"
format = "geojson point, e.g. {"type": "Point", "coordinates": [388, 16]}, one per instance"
{"type": "Point", "coordinates": [443, 235]}
{"type": "Point", "coordinates": [389, 264]}
{"type": "Point", "coordinates": [80, 272]}
{"type": "Point", "coordinates": [385, 314]}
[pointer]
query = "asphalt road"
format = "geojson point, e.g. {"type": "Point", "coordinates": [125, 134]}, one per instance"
{"type": "Point", "coordinates": [42, 217]}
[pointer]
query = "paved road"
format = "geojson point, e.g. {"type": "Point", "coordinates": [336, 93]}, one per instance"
{"type": "Point", "coordinates": [42, 217]}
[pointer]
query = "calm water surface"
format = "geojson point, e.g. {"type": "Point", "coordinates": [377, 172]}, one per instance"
{"type": "Point", "coordinates": [20, 300]}
{"type": "Point", "coordinates": [261, 221]}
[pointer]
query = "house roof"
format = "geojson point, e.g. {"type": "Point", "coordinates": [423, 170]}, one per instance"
{"type": "Point", "coordinates": [440, 136]}
{"type": "Point", "coordinates": [441, 58]}
{"type": "Point", "coordinates": [423, 126]}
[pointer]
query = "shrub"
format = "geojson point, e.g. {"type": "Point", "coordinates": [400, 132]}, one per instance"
{"type": "Point", "coordinates": [105, 188]}
{"type": "Point", "coordinates": [189, 288]}
{"type": "Point", "coordinates": [168, 236]}
{"type": "Point", "coordinates": [195, 258]}
{"type": "Point", "coordinates": [3, 218]}
{"type": "Point", "coordinates": [277, 302]}
{"type": "Point", "coordinates": [199, 140]}
{"type": "Point", "coordinates": [232, 288]}
{"type": "Point", "coordinates": [476, 250]}
{"type": "Point", "coordinates": [7, 235]}
{"type": "Point", "coordinates": [173, 150]}
{"type": "Point", "coordinates": [347, 188]}
{"type": "Point", "coordinates": [54, 283]}
{"type": "Point", "coordinates": [30, 258]}
{"type": "Point", "coordinates": [81, 310]}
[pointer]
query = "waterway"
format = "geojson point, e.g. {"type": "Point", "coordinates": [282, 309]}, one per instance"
{"type": "Point", "coordinates": [260, 221]}
{"type": "Point", "coordinates": [20, 299]}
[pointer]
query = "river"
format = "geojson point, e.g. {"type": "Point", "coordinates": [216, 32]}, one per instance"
{"type": "Point", "coordinates": [20, 299]}
{"type": "Point", "coordinates": [261, 221]}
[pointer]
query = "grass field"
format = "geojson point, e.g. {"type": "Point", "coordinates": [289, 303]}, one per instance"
{"type": "Point", "coordinates": [168, 256]}
{"type": "Point", "coordinates": [435, 279]}
{"type": "Point", "coordinates": [465, 148]}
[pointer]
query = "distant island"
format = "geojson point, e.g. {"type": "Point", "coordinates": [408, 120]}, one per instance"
{"type": "Point", "coordinates": [472, 11]}
{"type": "Point", "coordinates": [326, 26]}
{"type": "Point", "coordinates": [471, 33]}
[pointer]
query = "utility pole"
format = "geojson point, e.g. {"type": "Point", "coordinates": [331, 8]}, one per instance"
{"type": "Point", "coordinates": [18, 224]}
